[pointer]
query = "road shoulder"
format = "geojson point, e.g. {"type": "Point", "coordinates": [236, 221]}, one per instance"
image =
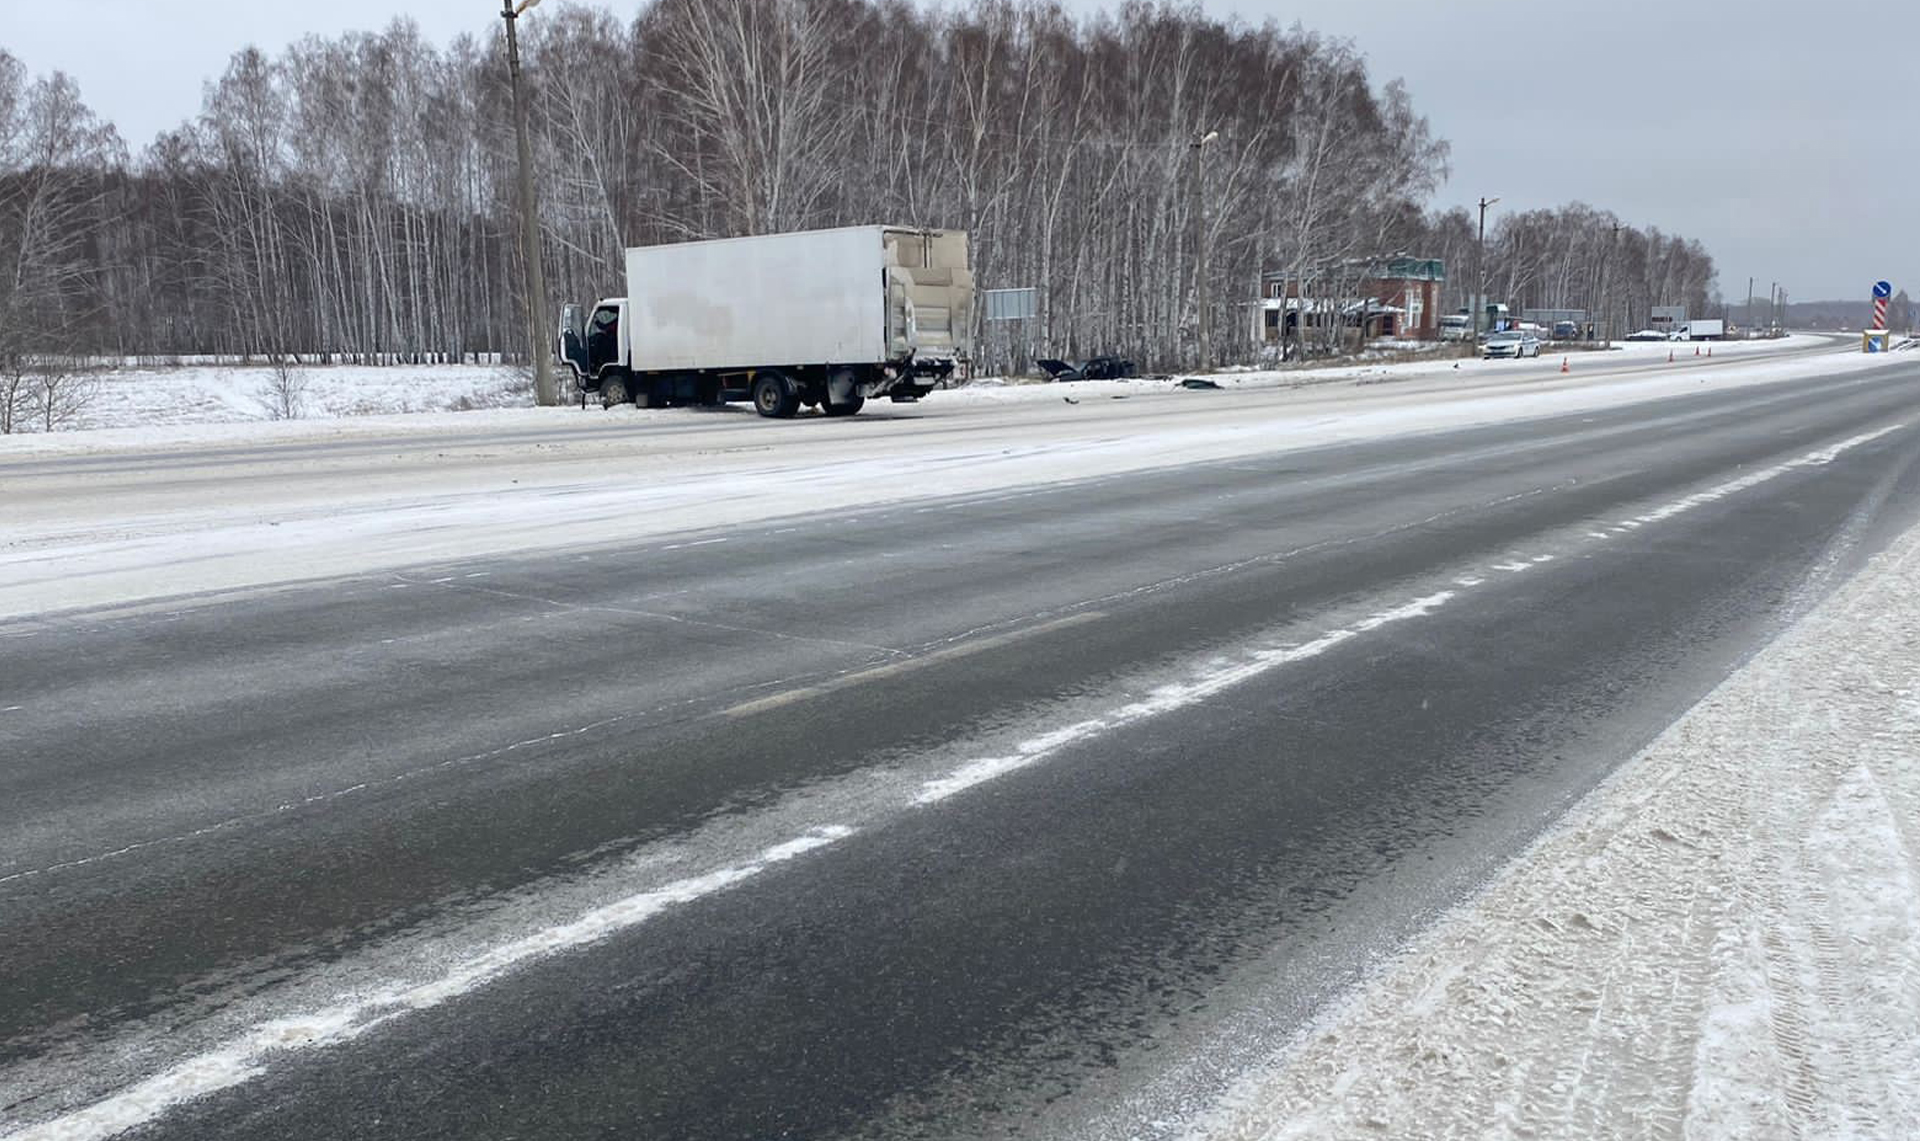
{"type": "Point", "coordinates": [1723, 940]}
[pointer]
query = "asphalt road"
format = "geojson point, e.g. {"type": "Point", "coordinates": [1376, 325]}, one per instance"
{"type": "Point", "coordinates": [1036, 813]}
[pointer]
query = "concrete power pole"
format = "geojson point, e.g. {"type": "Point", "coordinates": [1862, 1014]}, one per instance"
{"type": "Point", "coordinates": [543, 392]}
{"type": "Point", "coordinates": [1480, 268]}
{"type": "Point", "coordinates": [1200, 246]}
{"type": "Point", "coordinates": [1602, 311]}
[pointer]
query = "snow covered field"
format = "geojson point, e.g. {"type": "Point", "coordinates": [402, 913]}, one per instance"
{"type": "Point", "coordinates": [1722, 941]}
{"type": "Point", "coordinates": [238, 394]}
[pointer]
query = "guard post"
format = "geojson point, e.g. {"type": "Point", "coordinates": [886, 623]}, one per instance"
{"type": "Point", "coordinates": [1874, 338]}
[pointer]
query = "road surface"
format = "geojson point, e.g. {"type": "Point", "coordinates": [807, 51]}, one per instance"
{"type": "Point", "coordinates": [1037, 811]}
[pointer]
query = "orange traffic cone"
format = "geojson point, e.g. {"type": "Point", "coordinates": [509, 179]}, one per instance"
{"type": "Point", "coordinates": [1696, 350]}
{"type": "Point", "coordinates": [1709, 350]}
{"type": "Point", "coordinates": [1563, 364]}
{"type": "Point", "coordinates": [1669, 356]}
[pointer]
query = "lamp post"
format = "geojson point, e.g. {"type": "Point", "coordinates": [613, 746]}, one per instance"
{"type": "Point", "coordinates": [543, 392]}
{"type": "Point", "coordinates": [1480, 268]}
{"type": "Point", "coordinates": [1199, 146]}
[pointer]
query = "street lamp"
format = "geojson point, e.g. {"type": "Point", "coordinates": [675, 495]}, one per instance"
{"type": "Point", "coordinates": [543, 392]}
{"type": "Point", "coordinates": [1199, 145]}
{"type": "Point", "coordinates": [1480, 267]}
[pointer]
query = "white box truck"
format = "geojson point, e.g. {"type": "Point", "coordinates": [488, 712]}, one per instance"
{"type": "Point", "coordinates": [1706, 330]}
{"type": "Point", "coordinates": [821, 318]}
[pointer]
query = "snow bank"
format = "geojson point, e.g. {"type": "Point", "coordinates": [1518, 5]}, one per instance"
{"type": "Point", "coordinates": [1721, 941]}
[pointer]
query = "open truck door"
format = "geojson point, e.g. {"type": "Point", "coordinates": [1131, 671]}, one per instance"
{"type": "Point", "coordinates": [571, 348]}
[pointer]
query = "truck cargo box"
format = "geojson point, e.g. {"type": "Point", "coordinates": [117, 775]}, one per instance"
{"type": "Point", "coordinates": [863, 294]}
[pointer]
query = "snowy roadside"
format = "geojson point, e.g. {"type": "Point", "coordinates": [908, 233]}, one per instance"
{"type": "Point", "coordinates": [221, 404]}
{"type": "Point", "coordinates": [90, 537]}
{"type": "Point", "coordinates": [1723, 940]}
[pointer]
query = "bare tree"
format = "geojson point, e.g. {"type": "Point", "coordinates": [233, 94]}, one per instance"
{"type": "Point", "coordinates": [283, 395]}
{"type": "Point", "coordinates": [352, 197]}
{"type": "Point", "coordinates": [62, 392]}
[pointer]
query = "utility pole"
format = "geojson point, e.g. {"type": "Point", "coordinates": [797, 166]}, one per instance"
{"type": "Point", "coordinates": [1199, 146]}
{"type": "Point", "coordinates": [1480, 268]}
{"type": "Point", "coordinates": [1773, 307]}
{"type": "Point", "coordinates": [543, 392]}
{"type": "Point", "coordinates": [1603, 317]}
{"type": "Point", "coordinates": [1749, 313]}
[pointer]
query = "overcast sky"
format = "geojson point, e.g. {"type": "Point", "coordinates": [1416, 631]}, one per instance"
{"type": "Point", "coordinates": [1769, 130]}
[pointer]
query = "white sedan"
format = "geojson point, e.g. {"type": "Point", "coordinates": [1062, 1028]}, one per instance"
{"type": "Point", "coordinates": [1520, 344]}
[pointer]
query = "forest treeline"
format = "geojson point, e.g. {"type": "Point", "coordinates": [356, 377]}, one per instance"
{"type": "Point", "coordinates": [355, 196]}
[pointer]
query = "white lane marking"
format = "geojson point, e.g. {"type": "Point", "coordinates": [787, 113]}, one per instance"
{"type": "Point", "coordinates": [1598, 535]}
{"type": "Point", "coordinates": [12, 709]}
{"type": "Point", "coordinates": [1811, 459]}
{"type": "Point", "coordinates": [907, 665]}
{"type": "Point", "coordinates": [254, 1051]}
{"type": "Point", "coordinates": [1212, 680]}
{"type": "Point", "coordinates": [684, 546]}
{"type": "Point", "coordinates": [1221, 676]}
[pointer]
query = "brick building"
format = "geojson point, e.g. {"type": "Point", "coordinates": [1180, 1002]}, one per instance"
{"type": "Point", "coordinates": [1395, 297]}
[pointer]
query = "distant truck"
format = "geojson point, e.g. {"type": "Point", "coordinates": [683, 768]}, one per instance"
{"type": "Point", "coordinates": [1706, 330]}
{"type": "Point", "coordinates": [819, 318]}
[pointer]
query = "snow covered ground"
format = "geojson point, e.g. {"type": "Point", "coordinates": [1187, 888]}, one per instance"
{"type": "Point", "coordinates": [192, 403]}
{"type": "Point", "coordinates": [232, 394]}
{"type": "Point", "coordinates": [1722, 941]}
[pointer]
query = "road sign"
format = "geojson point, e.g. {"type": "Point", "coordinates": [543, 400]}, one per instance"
{"type": "Point", "coordinates": [1012, 304]}
{"type": "Point", "coordinates": [1881, 291]}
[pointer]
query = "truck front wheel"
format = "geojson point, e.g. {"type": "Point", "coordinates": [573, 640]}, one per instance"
{"type": "Point", "coordinates": [614, 390]}
{"type": "Point", "coordinates": [775, 395]}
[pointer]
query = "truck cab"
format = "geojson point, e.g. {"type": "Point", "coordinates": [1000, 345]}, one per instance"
{"type": "Point", "coordinates": [592, 345]}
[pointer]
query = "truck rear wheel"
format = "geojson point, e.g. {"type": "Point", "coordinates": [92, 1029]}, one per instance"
{"type": "Point", "coordinates": [774, 395]}
{"type": "Point", "coordinates": [840, 396]}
